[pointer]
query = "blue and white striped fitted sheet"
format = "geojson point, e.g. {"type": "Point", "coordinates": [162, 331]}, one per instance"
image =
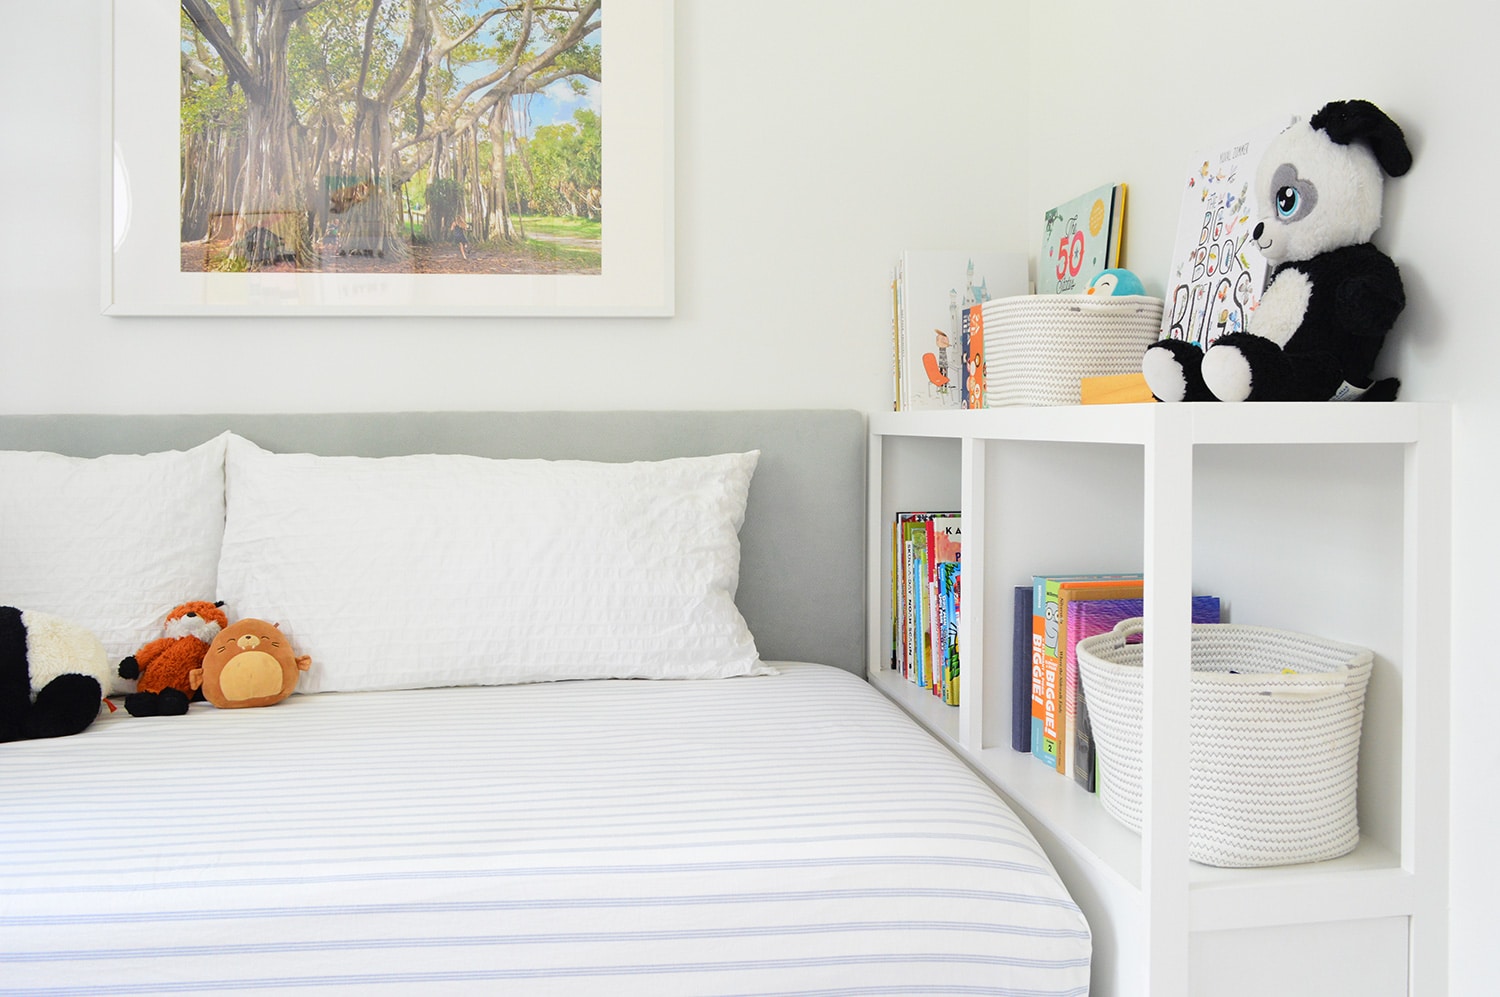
{"type": "Point", "coordinates": [793, 834]}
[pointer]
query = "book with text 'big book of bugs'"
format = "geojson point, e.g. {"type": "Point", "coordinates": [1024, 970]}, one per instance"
{"type": "Point", "coordinates": [1217, 273]}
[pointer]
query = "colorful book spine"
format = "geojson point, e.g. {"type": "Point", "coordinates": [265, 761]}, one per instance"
{"type": "Point", "coordinates": [921, 613]}
{"type": "Point", "coordinates": [944, 545]}
{"type": "Point", "coordinates": [1069, 593]}
{"type": "Point", "coordinates": [1087, 618]}
{"type": "Point", "coordinates": [952, 659]}
{"type": "Point", "coordinates": [913, 535]}
{"type": "Point", "coordinates": [923, 621]}
{"type": "Point", "coordinates": [1045, 688]}
{"type": "Point", "coordinates": [972, 348]}
{"type": "Point", "coordinates": [1054, 726]}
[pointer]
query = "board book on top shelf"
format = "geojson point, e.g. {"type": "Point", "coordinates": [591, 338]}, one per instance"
{"type": "Point", "coordinates": [1217, 272]}
{"type": "Point", "coordinates": [1081, 238]}
{"type": "Point", "coordinates": [1087, 616]}
{"type": "Point", "coordinates": [1114, 389]}
{"type": "Point", "coordinates": [934, 292]}
{"type": "Point", "coordinates": [926, 550]}
{"type": "Point", "coordinates": [1045, 690]}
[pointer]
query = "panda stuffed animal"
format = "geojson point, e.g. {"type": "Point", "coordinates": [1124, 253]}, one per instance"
{"type": "Point", "coordinates": [1332, 297]}
{"type": "Point", "coordinates": [53, 675]}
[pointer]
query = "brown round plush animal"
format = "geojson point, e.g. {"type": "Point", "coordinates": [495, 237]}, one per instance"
{"type": "Point", "coordinates": [249, 664]}
{"type": "Point", "coordinates": [161, 667]}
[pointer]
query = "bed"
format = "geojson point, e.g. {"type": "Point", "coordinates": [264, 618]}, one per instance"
{"type": "Point", "coordinates": [784, 830]}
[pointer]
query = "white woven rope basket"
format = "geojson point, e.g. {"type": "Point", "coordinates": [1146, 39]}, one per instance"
{"type": "Point", "coordinates": [1039, 346]}
{"type": "Point", "coordinates": [1273, 757]}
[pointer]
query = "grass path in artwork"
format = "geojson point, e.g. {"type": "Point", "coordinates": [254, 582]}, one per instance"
{"type": "Point", "coordinates": [553, 245]}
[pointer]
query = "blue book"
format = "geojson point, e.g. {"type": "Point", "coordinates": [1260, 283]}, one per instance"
{"type": "Point", "coordinates": [1020, 678]}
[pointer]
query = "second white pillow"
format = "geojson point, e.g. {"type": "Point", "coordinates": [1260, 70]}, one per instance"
{"type": "Point", "coordinates": [440, 570]}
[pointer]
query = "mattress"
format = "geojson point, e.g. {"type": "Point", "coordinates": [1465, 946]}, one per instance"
{"type": "Point", "coordinates": [789, 834]}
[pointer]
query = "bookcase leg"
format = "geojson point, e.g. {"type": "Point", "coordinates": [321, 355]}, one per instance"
{"type": "Point", "coordinates": [1168, 595]}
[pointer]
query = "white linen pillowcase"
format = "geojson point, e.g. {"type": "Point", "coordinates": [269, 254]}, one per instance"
{"type": "Point", "coordinates": [111, 543]}
{"type": "Point", "coordinates": [441, 570]}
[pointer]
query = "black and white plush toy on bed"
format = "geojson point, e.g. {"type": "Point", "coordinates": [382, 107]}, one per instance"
{"type": "Point", "coordinates": [53, 675]}
{"type": "Point", "coordinates": [1332, 296]}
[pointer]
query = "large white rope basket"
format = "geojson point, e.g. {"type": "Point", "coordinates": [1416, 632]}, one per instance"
{"type": "Point", "coordinates": [1038, 347]}
{"type": "Point", "coordinates": [1273, 732]}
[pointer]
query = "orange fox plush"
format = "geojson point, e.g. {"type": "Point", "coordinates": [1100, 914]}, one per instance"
{"type": "Point", "coordinates": [161, 667]}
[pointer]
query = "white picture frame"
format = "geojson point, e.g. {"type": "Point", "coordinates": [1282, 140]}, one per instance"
{"type": "Point", "coordinates": [142, 269]}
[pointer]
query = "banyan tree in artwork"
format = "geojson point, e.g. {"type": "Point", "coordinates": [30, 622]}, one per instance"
{"type": "Point", "coordinates": [391, 135]}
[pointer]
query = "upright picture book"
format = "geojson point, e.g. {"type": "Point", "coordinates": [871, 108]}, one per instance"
{"type": "Point", "coordinates": [935, 295]}
{"type": "Point", "coordinates": [1080, 239]}
{"type": "Point", "coordinates": [1217, 272]}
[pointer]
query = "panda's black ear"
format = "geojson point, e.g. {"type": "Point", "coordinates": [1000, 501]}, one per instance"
{"type": "Point", "coordinates": [1348, 121]}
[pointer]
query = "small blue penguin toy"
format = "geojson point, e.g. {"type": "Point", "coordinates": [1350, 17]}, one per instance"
{"type": "Point", "coordinates": [1116, 283]}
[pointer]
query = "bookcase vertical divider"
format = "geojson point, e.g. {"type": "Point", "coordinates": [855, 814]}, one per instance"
{"type": "Point", "coordinates": [1168, 596]}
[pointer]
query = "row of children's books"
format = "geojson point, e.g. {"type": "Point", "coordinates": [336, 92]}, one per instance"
{"type": "Point", "coordinates": [925, 600]}
{"type": "Point", "coordinates": [1049, 711]}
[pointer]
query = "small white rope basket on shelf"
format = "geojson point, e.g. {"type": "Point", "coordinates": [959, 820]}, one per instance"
{"type": "Point", "coordinates": [1038, 347]}
{"type": "Point", "coordinates": [1273, 734]}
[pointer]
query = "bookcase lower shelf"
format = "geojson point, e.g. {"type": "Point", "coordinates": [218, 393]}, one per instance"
{"type": "Point", "coordinates": [1078, 821]}
{"type": "Point", "coordinates": [1163, 925]}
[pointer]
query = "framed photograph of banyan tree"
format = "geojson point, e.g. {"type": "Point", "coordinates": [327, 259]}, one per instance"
{"type": "Point", "coordinates": [388, 157]}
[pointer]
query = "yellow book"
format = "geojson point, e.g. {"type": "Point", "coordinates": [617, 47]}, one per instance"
{"type": "Point", "coordinates": [1114, 389]}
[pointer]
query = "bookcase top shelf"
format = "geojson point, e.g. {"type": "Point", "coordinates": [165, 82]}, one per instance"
{"type": "Point", "coordinates": [1197, 423]}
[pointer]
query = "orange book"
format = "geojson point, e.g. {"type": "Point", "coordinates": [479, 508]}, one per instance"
{"type": "Point", "coordinates": [1114, 389]}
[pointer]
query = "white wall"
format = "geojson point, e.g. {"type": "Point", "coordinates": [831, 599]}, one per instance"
{"type": "Point", "coordinates": [814, 141]}
{"type": "Point", "coordinates": [1138, 113]}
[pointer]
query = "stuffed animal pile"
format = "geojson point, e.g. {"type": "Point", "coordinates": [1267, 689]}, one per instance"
{"type": "Point", "coordinates": [1332, 296]}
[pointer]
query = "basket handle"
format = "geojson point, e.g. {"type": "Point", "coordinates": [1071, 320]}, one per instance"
{"type": "Point", "coordinates": [1303, 687]}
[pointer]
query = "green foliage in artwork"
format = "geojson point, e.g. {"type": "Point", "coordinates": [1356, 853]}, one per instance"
{"type": "Point", "coordinates": [559, 165]}
{"type": "Point", "coordinates": [387, 95]}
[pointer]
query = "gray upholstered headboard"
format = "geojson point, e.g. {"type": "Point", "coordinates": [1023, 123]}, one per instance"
{"type": "Point", "coordinates": [802, 547]}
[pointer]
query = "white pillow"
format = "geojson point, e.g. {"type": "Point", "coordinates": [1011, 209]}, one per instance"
{"type": "Point", "coordinates": [111, 543]}
{"type": "Point", "coordinates": [421, 571]}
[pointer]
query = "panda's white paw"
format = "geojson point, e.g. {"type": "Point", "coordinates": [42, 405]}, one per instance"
{"type": "Point", "coordinates": [1226, 371]}
{"type": "Point", "coordinates": [1164, 375]}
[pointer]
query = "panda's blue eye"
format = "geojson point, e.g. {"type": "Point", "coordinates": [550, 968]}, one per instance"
{"type": "Point", "coordinates": [1287, 201]}
{"type": "Point", "coordinates": [1294, 196]}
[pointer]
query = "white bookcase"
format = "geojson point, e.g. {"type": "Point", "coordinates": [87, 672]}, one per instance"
{"type": "Point", "coordinates": [1326, 518]}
